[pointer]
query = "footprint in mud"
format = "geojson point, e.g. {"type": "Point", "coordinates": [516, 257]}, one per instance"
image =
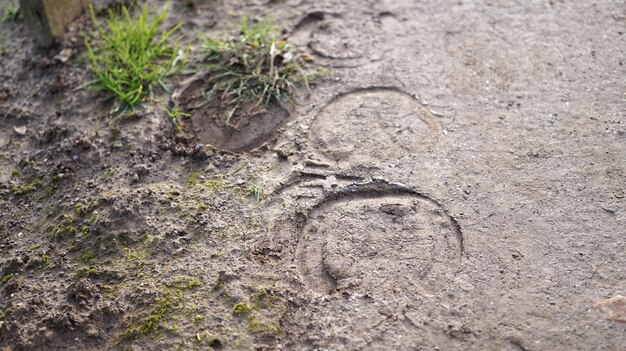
{"type": "Point", "coordinates": [371, 240]}
{"type": "Point", "coordinates": [258, 128]}
{"type": "Point", "coordinates": [339, 40]}
{"type": "Point", "coordinates": [372, 124]}
{"type": "Point", "coordinates": [207, 123]}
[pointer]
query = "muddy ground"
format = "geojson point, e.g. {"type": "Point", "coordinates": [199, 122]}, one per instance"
{"type": "Point", "coordinates": [457, 182]}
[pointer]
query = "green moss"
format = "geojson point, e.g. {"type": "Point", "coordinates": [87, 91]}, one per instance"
{"type": "Point", "coordinates": [87, 256]}
{"type": "Point", "coordinates": [261, 312]}
{"type": "Point", "coordinates": [70, 223]}
{"type": "Point", "coordinates": [6, 279]}
{"type": "Point", "coordinates": [192, 284]}
{"type": "Point", "coordinates": [198, 319]}
{"type": "Point", "coordinates": [27, 188]}
{"type": "Point", "coordinates": [260, 327]}
{"type": "Point", "coordinates": [38, 262]}
{"type": "Point", "coordinates": [215, 184]}
{"type": "Point", "coordinates": [241, 308]}
{"type": "Point", "coordinates": [184, 283]}
{"type": "Point", "coordinates": [170, 297]}
{"type": "Point", "coordinates": [171, 195]}
{"type": "Point", "coordinates": [263, 299]}
{"type": "Point", "coordinates": [90, 272]}
{"type": "Point", "coordinates": [95, 203]}
{"type": "Point", "coordinates": [61, 230]}
{"type": "Point", "coordinates": [33, 247]}
{"type": "Point", "coordinates": [151, 323]}
{"type": "Point", "coordinates": [137, 257]}
{"type": "Point", "coordinates": [77, 210]}
{"type": "Point", "coordinates": [84, 230]}
{"type": "Point", "coordinates": [147, 239]}
{"type": "Point", "coordinates": [87, 226]}
{"type": "Point", "coordinates": [193, 179]}
{"type": "Point", "coordinates": [107, 291]}
{"type": "Point", "coordinates": [15, 172]}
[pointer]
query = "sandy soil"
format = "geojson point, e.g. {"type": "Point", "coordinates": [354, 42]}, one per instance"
{"type": "Point", "coordinates": [457, 182]}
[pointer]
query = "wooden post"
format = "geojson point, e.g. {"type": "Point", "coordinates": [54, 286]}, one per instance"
{"type": "Point", "coordinates": [47, 19]}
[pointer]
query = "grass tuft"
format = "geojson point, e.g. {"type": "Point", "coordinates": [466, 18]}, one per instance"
{"type": "Point", "coordinates": [9, 11]}
{"type": "Point", "coordinates": [254, 191]}
{"type": "Point", "coordinates": [130, 55]}
{"type": "Point", "coordinates": [174, 114]}
{"type": "Point", "coordinates": [253, 69]}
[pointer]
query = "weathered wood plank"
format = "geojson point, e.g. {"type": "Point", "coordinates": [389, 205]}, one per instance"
{"type": "Point", "coordinates": [47, 19]}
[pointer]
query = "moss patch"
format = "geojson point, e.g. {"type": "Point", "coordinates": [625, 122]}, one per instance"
{"type": "Point", "coordinates": [87, 256]}
{"type": "Point", "coordinates": [33, 247]}
{"type": "Point", "coordinates": [6, 279]}
{"type": "Point", "coordinates": [88, 272]}
{"type": "Point", "coordinates": [169, 297]}
{"type": "Point", "coordinates": [241, 308]}
{"type": "Point", "coordinates": [257, 326]}
{"type": "Point", "coordinates": [27, 188]}
{"type": "Point", "coordinates": [261, 312]}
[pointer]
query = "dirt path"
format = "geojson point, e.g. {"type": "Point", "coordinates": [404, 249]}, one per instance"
{"type": "Point", "coordinates": [457, 182]}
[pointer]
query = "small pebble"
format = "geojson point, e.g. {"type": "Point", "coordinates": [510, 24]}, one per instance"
{"type": "Point", "coordinates": [435, 113]}
{"type": "Point", "coordinates": [609, 210]}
